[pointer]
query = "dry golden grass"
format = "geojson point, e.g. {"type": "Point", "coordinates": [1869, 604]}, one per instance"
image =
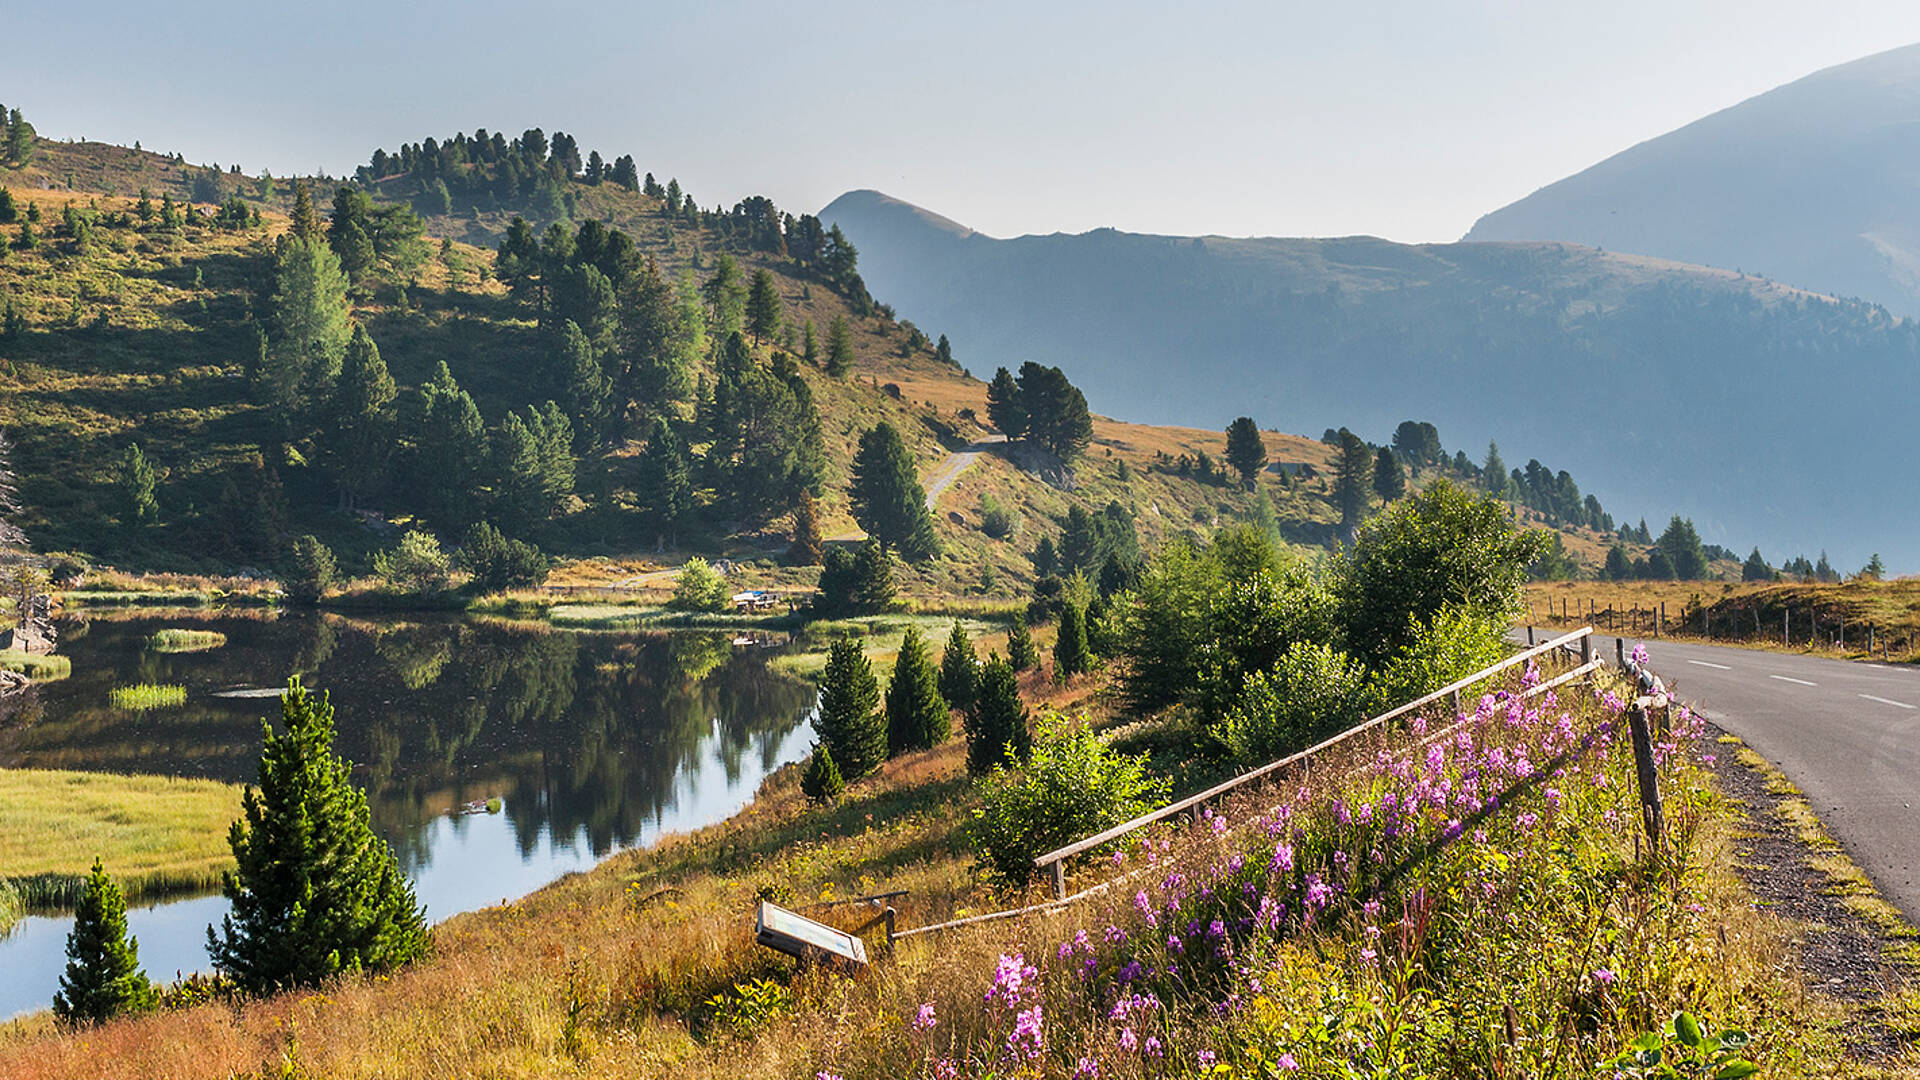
{"type": "Point", "coordinates": [1744, 613]}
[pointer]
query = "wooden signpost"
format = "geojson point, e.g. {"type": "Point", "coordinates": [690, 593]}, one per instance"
{"type": "Point", "coordinates": [800, 937]}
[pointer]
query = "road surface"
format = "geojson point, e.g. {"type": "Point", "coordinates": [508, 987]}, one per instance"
{"type": "Point", "coordinates": [1846, 733]}
{"type": "Point", "coordinates": [957, 463]}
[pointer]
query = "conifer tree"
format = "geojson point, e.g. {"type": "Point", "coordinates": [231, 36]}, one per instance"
{"type": "Point", "coordinates": [361, 442]}
{"type": "Point", "coordinates": [103, 977]}
{"type": "Point", "coordinates": [585, 387]}
{"type": "Point", "coordinates": [997, 726]}
{"type": "Point", "coordinates": [1046, 557]}
{"type": "Point", "coordinates": [943, 351]}
{"type": "Point", "coordinates": [888, 501]}
{"type": "Point", "coordinates": [917, 717]}
{"type": "Point", "coordinates": [822, 781]}
{"type": "Point", "coordinates": [763, 307]}
{"type": "Point", "coordinates": [1003, 405]}
{"type": "Point", "coordinates": [665, 483]}
{"type": "Point", "coordinates": [809, 347]}
{"type": "Point", "coordinates": [312, 573]}
{"type": "Point", "coordinates": [307, 324]}
{"type": "Point", "coordinates": [1021, 654]}
{"type": "Point", "coordinates": [839, 348]}
{"type": "Point", "coordinates": [306, 223]}
{"type": "Point", "coordinates": [1389, 482]}
{"type": "Point", "coordinates": [806, 549]}
{"type": "Point", "coordinates": [1494, 473]}
{"type": "Point", "coordinates": [959, 670]}
{"type": "Point", "coordinates": [452, 451]}
{"type": "Point", "coordinates": [1353, 475]}
{"type": "Point", "coordinates": [1246, 450]}
{"type": "Point", "coordinates": [138, 507]}
{"type": "Point", "coordinates": [1755, 568]}
{"type": "Point", "coordinates": [1070, 653]}
{"type": "Point", "coordinates": [316, 893]}
{"type": "Point", "coordinates": [849, 722]}
{"type": "Point", "coordinates": [725, 296]}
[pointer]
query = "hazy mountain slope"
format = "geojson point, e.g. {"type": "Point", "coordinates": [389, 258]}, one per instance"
{"type": "Point", "coordinates": [1814, 183]}
{"type": "Point", "coordinates": [1773, 415]}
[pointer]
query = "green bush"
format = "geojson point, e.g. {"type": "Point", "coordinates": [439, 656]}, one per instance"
{"type": "Point", "coordinates": [1072, 786]}
{"type": "Point", "coordinates": [996, 519]}
{"type": "Point", "coordinates": [1313, 691]}
{"type": "Point", "coordinates": [311, 571]}
{"type": "Point", "coordinates": [416, 565]}
{"type": "Point", "coordinates": [700, 587]}
{"type": "Point", "coordinates": [1454, 645]}
{"type": "Point", "coordinates": [498, 562]}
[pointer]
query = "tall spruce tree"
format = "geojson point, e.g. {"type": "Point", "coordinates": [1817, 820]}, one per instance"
{"type": "Point", "coordinates": [1003, 405]}
{"type": "Point", "coordinates": [888, 501]}
{"type": "Point", "coordinates": [1246, 450]}
{"type": "Point", "coordinates": [959, 670]}
{"type": "Point", "coordinates": [1494, 472]}
{"type": "Point", "coordinates": [849, 722]}
{"type": "Point", "coordinates": [361, 443]}
{"type": "Point", "coordinates": [307, 326]}
{"type": "Point", "coordinates": [839, 348]}
{"type": "Point", "coordinates": [806, 549]}
{"type": "Point", "coordinates": [1071, 655]}
{"type": "Point", "coordinates": [584, 386]}
{"type": "Point", "coordinates": [1389, 481]}
{"type": "Point", "coordinates": [316, 893]}
{"type": "Point", "coordinates": [103, 977]}
{"type": "Point", "coordinates": [997, 730]}
{"type": "Point", "coordinates": [665, 483]}
{"type": "Point", "coordinates": [763, 307]}
{"type": "Point", "coordinates": [917, 717]}
{"type": "Point", "coordinates": [1021, 654]}
{"type": "Point", "coordinates": [1353, 479]}
{"type": "Point", "coordinates": [138, 508]}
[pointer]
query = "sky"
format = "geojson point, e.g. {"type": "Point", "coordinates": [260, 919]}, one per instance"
{"type": "Point", "coordinates": [1406, 120]}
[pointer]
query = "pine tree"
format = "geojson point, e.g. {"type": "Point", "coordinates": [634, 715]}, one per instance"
{"type": "Point", "coordinates": [809, 347]}
{"type": "Point", "coordinates": [806, 547]}
{"type": "Point", "coordinates": [1021, 654]}
{"type": "Point", "coordinates": [1389, 482]}
{"type": "Point", "coordinates": [19, 139]}
{"type": "Point", "coordinates": [848, 721]}
{"type": "Point", "coordinates": [1755, 568]}
{"type": "Point", "coordinates": [822, 781]}
{"type": "Point", "coordinates": [839, 348]}
{"type": "Point", "coordinates": [1683, 549]}
{"type": "Point", "coordinates": [138, 508]}
{"type": "Point", "coordinates": [1055, 410]}
{"type": "Point", "coordinates": [451, 451]}
{"type": "Point", "coordinates": [665, 482]}
{"type": "Point", "coordinates": [584, 387]}
{"type": "Point", "coordinates": [1352, 478]}
{"type": "Point", "coordinates": [103, 977]}
{"type": "Point", "coordinates": [763, 307]}
{"type": "Point", "coordinates": [1494, 472]}
{"type": "Point", "coordinates": [943, 351]}
{"type": "Point", "coordinates": [725, 296]}
{"type": "Point", "coordinates": [888, 501]}
{"type": "Point", "coordinates": [1070, 653]}
{"type": "Point", "coordinates": [997, 725]}
{"type": "Point", "coordinates": [1246, 450]}
{"type": "Point", "coordinates": [362, 414]}
{"type": "Point", "coordinates": [1046, 558]}
{"type": "Point", "coordinates": [917, 717]}
{"type": "Point", "coordinates": [306, 223]}
{"type": "Point", "coordinates": [307, 324]}
{"type": "Point", "coordinates": [312, 573]}
{"type": "Point", "coordinates": [959, 670]}
{"type": "Point", "coordinates": [316, 893]}
{"type": "Point", "coordinates": [1003, 405]}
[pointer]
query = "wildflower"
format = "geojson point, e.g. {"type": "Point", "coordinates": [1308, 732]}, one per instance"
{"type": "Point", "coordinates": [1026, 1039]}
{"type": "Point", "coordinates": [945, 1069]}
{"type": "Point", "coordinates": [923, 1017]}
{"type": "Point", "coordinates": [1011, 975]}
{"type": "Point", "coordinates": [1152, 1046]}
{"type": "Point", "coordinates": [1640, 657]}
{"type": "Point", "coordinates": [1128, 1040]}
{"type": "Point", "coordinates": [825, 1075]}
{"type": "Point", "coordinates": [1287, 1063]}
{"type": "Point", "coordinates": [1205, 1059]}
{"type": "Point", "coordinates": [1605, 977]}
{"type": "Point", "coordinates": [1087, 1069]}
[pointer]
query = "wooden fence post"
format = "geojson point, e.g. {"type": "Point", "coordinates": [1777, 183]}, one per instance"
{"type": "Point", "coordinates": [1586, 649]}
{"type": "Point", "coordinates": [1650, 811]}
{"type": "Point", "coordinates": [1060, 879]}
{"type": "Point", "coordinates": [888, 915]}
{"type": "Point", "coordinates": [1529, 637]}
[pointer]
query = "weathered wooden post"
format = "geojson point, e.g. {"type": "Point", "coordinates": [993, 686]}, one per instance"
{"type": "Point", "coordinates": [889, 916]}
{"type": "Point", "coordinates": [1529, 637]}
{"type": "Point", "coordinates": [1650, 811]}
{"type": "Point", "coordinates": [1060, 879]}
{"type": "Point", "coordinates": [1454, 700]}
{"type": "Point", "coordinates": [1620, 653]}
{"type": "Point", "coordinates": [1586, 648]}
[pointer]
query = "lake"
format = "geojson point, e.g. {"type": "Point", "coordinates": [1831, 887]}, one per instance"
{"type": "Point", "coordinates": [592, 742]}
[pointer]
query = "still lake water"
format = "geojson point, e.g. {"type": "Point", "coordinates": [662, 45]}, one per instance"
{"type": "Point", "coordinates": [593, 742]}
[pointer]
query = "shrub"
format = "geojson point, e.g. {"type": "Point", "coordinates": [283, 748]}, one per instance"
{"type": "Point", "coordinates": [1072, 785]}
{"type": "Point", "coordinates": [417, 565]}
{"type": "Point", "coordinates": [311, 572]}
{"type": "Point", "coordinates": [1313, 691]}
{"type": "Point", "coordinates": [700, 587]}
{"type": "Point", "coordinates": [822, 781]}
{"type": "Point", "coordinates": [498, 562]}
{"type": "Point", "coordinates": [1454, 645]}
{"type": "Point", "coordinates": [996, 519]}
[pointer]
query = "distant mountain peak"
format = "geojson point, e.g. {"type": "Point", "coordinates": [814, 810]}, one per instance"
{"type": "Point", "coordinates": [868, 203]}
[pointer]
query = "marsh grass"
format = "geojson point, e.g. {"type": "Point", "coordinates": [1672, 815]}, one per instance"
{"type": "Point", "coordinates": [142, 697]}
{"type": "Point", "coordinates": [35, 666]}
{"type": "Point", "coordinates": [176, 640]}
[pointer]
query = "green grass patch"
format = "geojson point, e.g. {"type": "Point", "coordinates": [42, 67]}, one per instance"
{"type": "Point", "coordinates": [167, 598]}
{"type": "Point", "coordinates": [158, 835]}
{"type": "Point", "coordinates": [144, 696]}
{"type": "Point", "coordinates": [36, 667]}
{"type": "Point", "coordinates": [185, 641]}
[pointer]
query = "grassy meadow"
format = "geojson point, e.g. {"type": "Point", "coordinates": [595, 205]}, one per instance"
{"type": "Point", "coordinates": [1795, 616]}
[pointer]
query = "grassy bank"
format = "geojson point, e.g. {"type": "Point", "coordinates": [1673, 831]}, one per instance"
{"type": "Point", "coordinates": [1386, 918]}
{"type": "Point", "coordinates": [1827, 619]}
{"type": "Point", "coordinates": [34, 666]}
{"type": "Point", "coordinates": [158, 835]}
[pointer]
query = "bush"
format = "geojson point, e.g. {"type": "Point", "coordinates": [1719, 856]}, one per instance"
{"type": "Point", "coordinates": [416, 565]}
{"type": "Point", "coordinates": [1454, 645]}
{"type": "Point", "coordinates": [497, 562]}
{"type": "Point", "coordinates": [311, 573]}
{"type": "Point", "coordinates": [996, 519]}
{"type": "Point", "coordinates": [1314, 691]}
{"type": "Point", "coordinates": [699, 588]}
{"type": "Point", "coordinates": [1073, 785]}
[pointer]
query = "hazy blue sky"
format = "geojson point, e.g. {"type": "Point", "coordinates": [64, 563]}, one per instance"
{"type": "Point", "coordinates": [1402, 119]}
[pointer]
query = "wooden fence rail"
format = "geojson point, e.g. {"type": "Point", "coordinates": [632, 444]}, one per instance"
{"type": "Point", "coordinates": [1579, 641]}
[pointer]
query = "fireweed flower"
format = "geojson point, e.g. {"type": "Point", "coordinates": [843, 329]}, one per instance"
{"type": "Point", "coordinates": [1128, 1040]}
{"type": "Point", "coordinates": [1026, 1040]}
{"type": "Point", "coordinates": [1087, 1069]}
{"type": "Point", "coordinates": [1605, 977]}
{"type": "Point", "coordinates": [923, 1017]}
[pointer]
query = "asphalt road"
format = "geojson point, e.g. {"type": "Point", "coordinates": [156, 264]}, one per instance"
{"type": "Point", "coordinates": [1846, 733]}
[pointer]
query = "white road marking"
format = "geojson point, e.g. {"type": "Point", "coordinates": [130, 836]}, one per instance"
{"type": "Point", "coordinates": [1791, 679]}
{"type": "Point", "coordinates": [1703, 663]}
{"type": "Point", "coordinates": [1887, 701]}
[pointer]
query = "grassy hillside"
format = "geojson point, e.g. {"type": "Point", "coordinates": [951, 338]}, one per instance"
{"type": "Point", "coordinates": [145, 334]}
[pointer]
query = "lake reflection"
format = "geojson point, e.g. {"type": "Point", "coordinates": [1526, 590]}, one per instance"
{"type": "Point", "coordinates": [592, 742]}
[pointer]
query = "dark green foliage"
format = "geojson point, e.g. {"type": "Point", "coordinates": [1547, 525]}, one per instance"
{"type": "Point", "coordinates": [839, 348]}
{"type": "Point", "coordinates": [1553, 563]}
{"type": "Point", "coordinates": [1619, 563]}
{"type": "Point", "coordinates": [1046, 558]}
{"type": "Point", "coordinates": [1246, 450]}
{"type": "Point", "coordinates": [1313, 691]}
{"type": "Point", "coordinates": [1441, 547]}
{"type": "Point", "coordinates": [960, 670]}
{"type": "Point", "coordinates": [1389, 481]}
{"type": "Point", "coordinates": [943, 351]}
{"type": "Point", "coordinates": [1071, 787]}
{"type": "Point", "coordinates": [103, 977]}
{"type": "Point", "coordinates": [310, 573]}
{"type": "Point", "coordinates": [1054, 410]}
{"type": "Point", "coordinates": [1088, 542]}
{"type": "Point", "coordinates": [20, 136]}
{"type": "Point", "coordinates": [135, 483]}
{"type": "Point", "coordinates": [1353, 478]}
{"type": "Point", "coordinates": [725, 295]}
{"type": "Point", "coordinates": [532, 467]}
{"type": "Point", "coordinates": [1494, 473]}
{"type": "Point", "coordinates": [1003, 405]}
{"type": "Point", "coordinates": [997, 519]}
{"type": "Point", "coordinates": [767, 446]}
{"type": "Point", "coordinates": [307, 327]}
{"type": "Point", "coordinates": [1021, 653]}
{"type": "Point", "coordinates": [8, 212]}
{"type": "Point", "coordinates": [1070, 653]}
{"type": "Point", "coordinates": [1418, 444]}
{"type": "Point", "coordinates": [316, 893]}
{"type": "Point", "coordinates": [583, 385]}
{"type": "Point", "coordinates": [888, 501]}
{"type": "Point", "coordinates": [763, 307]}
{"type": "Point", "coordinates": [822, 782]}
{"type": "Point", "coordinates": [1165, 627]}
{"type": "Point", "coordinates": [665, 482]}
{"type": "Point", "coordinates": [359, 447]}
{"type": "Point", "coordinates": [856, 582]}
{"type": "Point", "coordinates": [1252, 621]}
{"type": "Point", "coordinates": [498, 562]}
{"type": "Point", "coordinates": [1681, 545]}
{"type": "Point", "coordinates": [806, 547]}
{"type": "Point", "coordinates": [997, 730]}
{"type": "Point", "coordinates": [450, 451]}
{"type": "Point", "coordinates": [917, 717]}
{"type": "Point", "coordinates": [850, 724]}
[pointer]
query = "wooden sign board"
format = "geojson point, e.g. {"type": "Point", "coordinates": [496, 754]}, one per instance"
{"type": "Point", "coordinates": [796, 935]}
